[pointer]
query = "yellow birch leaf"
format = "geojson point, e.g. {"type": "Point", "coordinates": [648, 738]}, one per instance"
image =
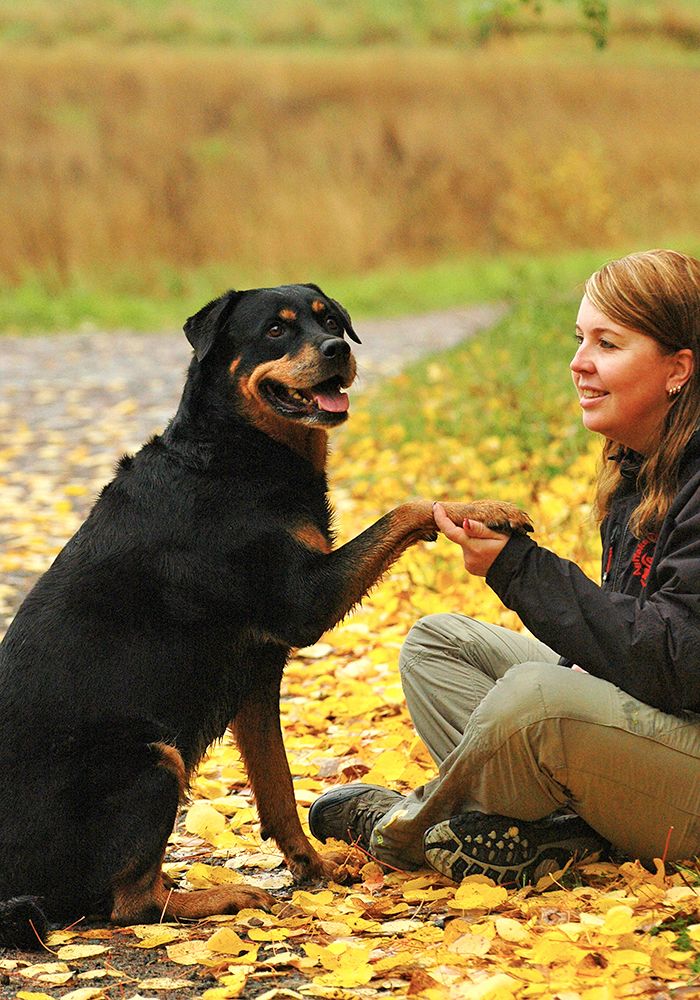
{"type": "Point", "coordinates": [334, 928]}
{"type": "Point", "coordinates": [511, 930]}
{"type": "Point", "coordinates": [201, 876]}
{"type": "Point", "coordinates": [188, 952]}
{"type": "Point", "coordinates": [165, 983]}
{"type": "Point", "coordinates": [55, 973]}
{"type": "Point", "coordinates": [84, 993]}
{"type": "Point", "coordinates": [470, 944]}
{"type": "Point", "coordinates": [226, 942]}
{"type": "Point", "coordinates": [223, 992]}
{"type": "Point", "coordinates": [272, 934]}
{"type": "Point", "coordinates": [549, 950]}
{"type": "Point", "coordinates": [494, 986]}
{"type": "Point", "coordinates": [204, 821]}
{"type": "Point", "coordinates": [618, 920]}
{"type": "Point", "coordinates": [478, 896]}
{"type": "Point", "coordinates": [314, 903]}
{"type": "Point", "coordinates": [70, 952]}
{"type": "Point", "coordinates": [346, 977]}
{"type": "Point", "coordinates": [159, 938]}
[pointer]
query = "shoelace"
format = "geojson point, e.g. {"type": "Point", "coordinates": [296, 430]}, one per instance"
{"type": "Point", "coordinates": [363, 822]}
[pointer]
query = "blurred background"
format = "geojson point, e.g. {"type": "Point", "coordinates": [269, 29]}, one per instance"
{"type": "Point", "coordinates": [155, 152]}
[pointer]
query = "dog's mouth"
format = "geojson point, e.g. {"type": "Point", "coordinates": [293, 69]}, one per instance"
{"type": "Point", "coordinates": [322, 403]}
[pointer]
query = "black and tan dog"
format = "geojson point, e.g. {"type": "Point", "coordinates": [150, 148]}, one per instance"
{"type": "Point", "coordinates": [170, 615]}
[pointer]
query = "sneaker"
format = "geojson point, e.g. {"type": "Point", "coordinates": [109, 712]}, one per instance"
{"type": "Point", "coordinates": [350, 812]}
{"type": "Point", "coordinates": [508, 850]}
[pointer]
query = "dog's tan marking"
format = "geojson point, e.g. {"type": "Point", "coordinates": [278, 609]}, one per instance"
{"type": "Point", "coordinates": [288, 314]}
{"type": "Point", "coordinates": [302, 370]}
{"type": "Point", "coordinates": [317, 306]}
{"type": "Point", "coordinates": [149, 896]}
{"type": "Point", "coordinates": [310, 537]}
{"type": "Point", "coordinates": [234, 365]}
{"type": "Point", "coordinates": [172, 761]}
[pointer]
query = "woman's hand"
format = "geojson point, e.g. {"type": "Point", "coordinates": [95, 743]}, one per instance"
{"type": "Point", "coordinates": [479, 544]}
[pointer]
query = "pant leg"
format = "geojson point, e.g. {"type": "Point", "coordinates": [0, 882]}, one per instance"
{"type": "Point", "coordinates": [545, 737]}
{"type": "Point", "coordinates": [448, 664]}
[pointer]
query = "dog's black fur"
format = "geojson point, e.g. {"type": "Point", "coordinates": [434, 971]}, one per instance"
{"type": "Point", "coordinates": [170, 615]}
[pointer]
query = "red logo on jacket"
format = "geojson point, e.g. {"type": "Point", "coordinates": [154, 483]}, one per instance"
{"type": "Point", "coordinates": [642, 559]}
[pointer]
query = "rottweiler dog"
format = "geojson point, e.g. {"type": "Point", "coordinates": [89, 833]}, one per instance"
{"type": "Point", "coordinates": [169, 618]}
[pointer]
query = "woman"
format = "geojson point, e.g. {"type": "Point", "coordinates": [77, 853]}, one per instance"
{"type": "Point", "coordinates": [539, 763]}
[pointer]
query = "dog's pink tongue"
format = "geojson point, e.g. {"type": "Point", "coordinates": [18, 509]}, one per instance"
{"type": "Point", "coordinates": [336, 402]}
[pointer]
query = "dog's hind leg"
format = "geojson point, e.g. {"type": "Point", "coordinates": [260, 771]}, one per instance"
{"type": "Point", "coordinates": [258, 735]}
{"type": "Point", "coordinates": [140, 819]}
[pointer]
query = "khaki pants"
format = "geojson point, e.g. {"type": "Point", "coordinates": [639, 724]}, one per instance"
{"type": "Point", "coordinates": [516, 734]}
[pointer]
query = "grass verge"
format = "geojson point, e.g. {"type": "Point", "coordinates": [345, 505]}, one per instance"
{"type": "Point", "coordinates": [37, 306]}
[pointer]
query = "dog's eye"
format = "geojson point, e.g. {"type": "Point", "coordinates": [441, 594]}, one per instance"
{"type": "Point", "coordinates": [276, 330]}
{"type": "Point", "coordinates": [332, 325]}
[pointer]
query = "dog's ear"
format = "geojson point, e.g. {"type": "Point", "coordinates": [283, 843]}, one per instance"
{"type": "Point", "coordinates": [347, 322]}
{"type": "Point", "coordinates": [202, 328]}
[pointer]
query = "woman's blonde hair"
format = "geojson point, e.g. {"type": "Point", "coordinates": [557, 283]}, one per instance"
{"type": "Point", "coordinates": [656, 293]}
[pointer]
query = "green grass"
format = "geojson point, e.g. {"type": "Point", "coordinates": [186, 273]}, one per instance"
{"type": "Point", "coordinates": [509, 388]}
{"type": "Point", "coordinates": [40, 305]}
{"type": "Point", "coordinates": [509, 383]}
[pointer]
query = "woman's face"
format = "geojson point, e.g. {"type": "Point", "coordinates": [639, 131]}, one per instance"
{"type": "Point", "coordinates": [623, 379]}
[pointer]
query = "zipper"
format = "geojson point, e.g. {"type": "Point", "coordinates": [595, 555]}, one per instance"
{"type": "Point", "coordinates": [611, 550]}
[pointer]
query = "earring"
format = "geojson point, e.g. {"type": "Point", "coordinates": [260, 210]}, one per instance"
{"type": "Point", "coordinates": [675, 390]}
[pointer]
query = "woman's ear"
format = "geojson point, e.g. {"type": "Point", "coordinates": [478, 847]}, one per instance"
{"type": "Point", "coordinates": [682, 369]}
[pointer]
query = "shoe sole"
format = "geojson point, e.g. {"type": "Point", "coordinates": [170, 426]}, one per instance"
{"type": "Point", "coordinates": [506, 850]}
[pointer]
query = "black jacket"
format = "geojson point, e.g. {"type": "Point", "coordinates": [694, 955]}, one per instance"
{"type": "Point", "coordinates": [640, 630]}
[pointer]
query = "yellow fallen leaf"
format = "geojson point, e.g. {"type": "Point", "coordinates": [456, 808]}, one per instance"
{"type": "Point", "coordinates": [314, 903]}
{"type": "Point", "coordinates": [204, 821]}
{"type": "Point", "coordinates": [470, 944]}
{"type": "Point", "coordinates": [494, 986]}
{"type": "Point", "coordinates": [188, 952]}
{"type": "Point", "coordinates": [511, 930]}
{"type": "Point", "coordinates": [165, 983]}
{"type": "Point", "coordinates": [478, 896]}
{"type": "Point", "coordinates": [619, 920]}
{"type": "Point", "coordinates": [70, 952]}
{"type": "Point", "coordinates": [270, 934]}
{"type": "Point", "coordinates": [56, 973]}
{"type": "Point", "coordinates": [201, 876]}
{"type": "Point", "coordinates": [226, 942]}
{"type": "Point", "coordinates": [159, 938]}
{"type": "Point", "coordinates": [84, 993]}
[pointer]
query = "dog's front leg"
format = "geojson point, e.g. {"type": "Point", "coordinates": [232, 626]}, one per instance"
{"type": "Point", "coordinates": [258, 735]}
{"type": "Point", "coordinates": [346, 574]}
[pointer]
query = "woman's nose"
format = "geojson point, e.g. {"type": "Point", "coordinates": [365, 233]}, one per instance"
{"type": "Point", "coordinates": [581, 360]}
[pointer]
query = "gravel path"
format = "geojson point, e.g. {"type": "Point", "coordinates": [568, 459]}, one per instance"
{"type": "Point", "coordinates": [42, 377]}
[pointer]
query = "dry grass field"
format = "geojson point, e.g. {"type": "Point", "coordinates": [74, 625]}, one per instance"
{"type": "Point", "coordinates": [128, 157]}
{"type": "Point", "coordinates": [158, 155]}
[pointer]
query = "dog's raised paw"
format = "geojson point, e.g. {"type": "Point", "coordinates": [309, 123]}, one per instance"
{"type": "Point", "coordinates": [495, 514]}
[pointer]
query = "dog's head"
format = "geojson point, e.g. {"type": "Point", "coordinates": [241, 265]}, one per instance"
{"type": "Point", "coordinates": [283, 349]}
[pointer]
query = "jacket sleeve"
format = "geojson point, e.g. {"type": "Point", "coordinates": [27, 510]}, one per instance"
{"type": "Point", "coordinates": [648, 647]}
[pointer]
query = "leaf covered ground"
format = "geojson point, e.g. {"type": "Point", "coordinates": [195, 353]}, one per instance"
{"type": "Point", "coordinates": [484, 420]}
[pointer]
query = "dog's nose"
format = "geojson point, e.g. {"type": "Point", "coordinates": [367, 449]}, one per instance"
{"type": "Point", "coordinates": [335, 347]}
